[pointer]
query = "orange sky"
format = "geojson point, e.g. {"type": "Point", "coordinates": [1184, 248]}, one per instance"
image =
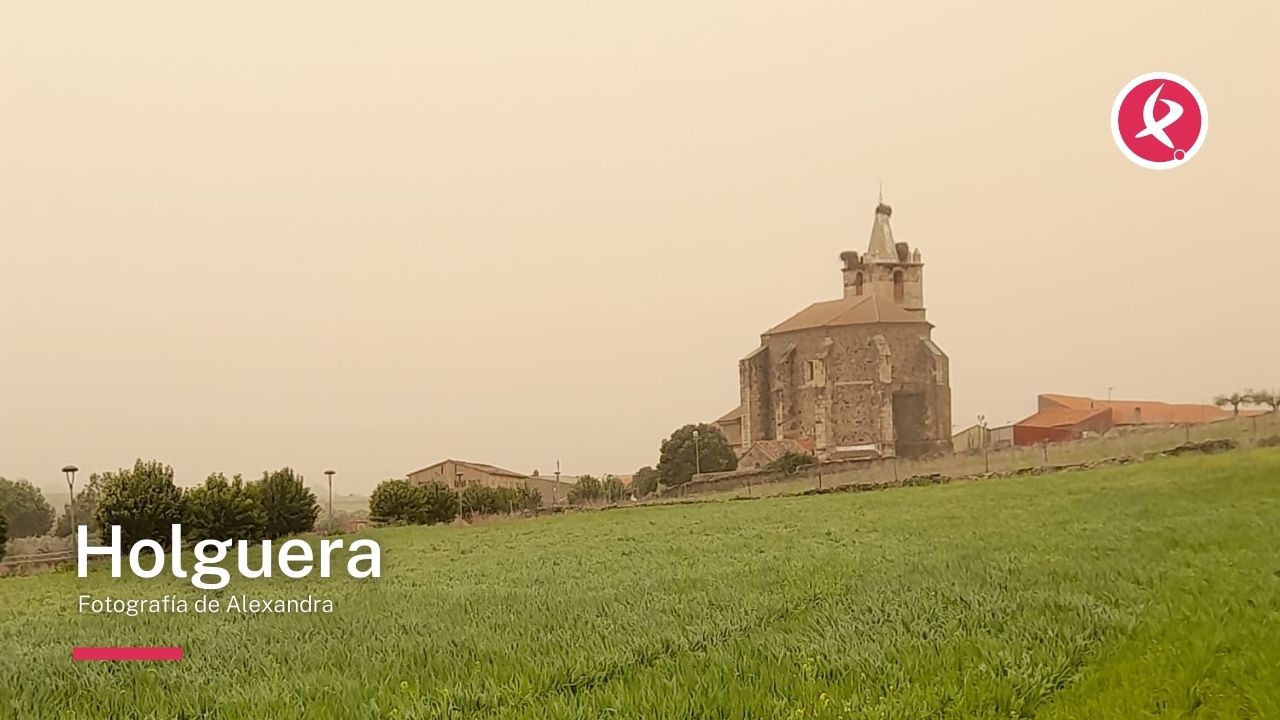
{"type": "Point", "coordinates": [241, 235]}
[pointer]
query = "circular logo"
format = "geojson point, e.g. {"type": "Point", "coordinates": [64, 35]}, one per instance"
{"type": "Point", "coordinates": [1159, 120]}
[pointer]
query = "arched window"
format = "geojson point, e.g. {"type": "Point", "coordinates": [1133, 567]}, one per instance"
{"type": "Point", "coordinates": [899, 287]}
{"type": "Point", "coordinates": [857, 284]}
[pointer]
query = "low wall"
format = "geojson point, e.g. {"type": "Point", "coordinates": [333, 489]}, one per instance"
{"type": "Point", "coordinates": [1129, 442]}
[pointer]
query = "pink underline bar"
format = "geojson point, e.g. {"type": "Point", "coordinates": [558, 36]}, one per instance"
{"type": "Point", "coordinates": [126, 653]}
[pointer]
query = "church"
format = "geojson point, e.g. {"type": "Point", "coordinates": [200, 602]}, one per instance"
{"type": "Point", "coordinates": [855, 377]}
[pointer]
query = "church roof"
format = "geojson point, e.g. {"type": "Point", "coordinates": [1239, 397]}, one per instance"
{"type": "Point", "coordinates": [858, 310]}
{"type": "Point", "coordinates": [882, 248]}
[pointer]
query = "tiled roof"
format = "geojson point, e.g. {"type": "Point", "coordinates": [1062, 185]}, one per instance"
{"type": "Point", "coordinates": [857, 310]}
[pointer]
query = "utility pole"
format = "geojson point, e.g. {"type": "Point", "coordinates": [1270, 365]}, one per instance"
{"type": "Point", "coordinates": [329, 474]}
{"type": "Point", "coordinates": [555, 491]}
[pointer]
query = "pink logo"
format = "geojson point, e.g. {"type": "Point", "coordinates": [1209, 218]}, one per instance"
{"type": "Point", "coordinates": [1159, 120]}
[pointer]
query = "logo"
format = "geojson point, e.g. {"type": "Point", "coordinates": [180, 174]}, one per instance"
{"type": "Point", "coordinates": [1159, 120]}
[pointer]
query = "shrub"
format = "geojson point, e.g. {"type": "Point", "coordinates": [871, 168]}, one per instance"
{"type": "Point", "coordinates": [588, 489]}
{"type": "Point", "coordinates": [645, 482]}
{"type": "Point", "coordinates": [222, 509]}
{"type": "Point", "coordinates": [399, 502]}
{"type": "Point", "coordinates": [481, 500]}
{"type": "Point", "coordinates": [289, 505]}
{"type": "Point", "coordinates": [791, 462]}
{"type": "Point", "coordinates": [4, 535]}
{"type": "Point", "coordinates": [142, 500]}
{"type": "Point", "coordinates": [25, 508]}
{"type": "Point", "coordinates": [442, 502]}
{"type": "Point", "coordinates": [612, 489]}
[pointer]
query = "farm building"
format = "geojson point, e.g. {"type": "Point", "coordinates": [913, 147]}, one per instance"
{"type": "Point", "coordinates": [459, 474]}
{"type": "Point", "coordinates": [1069, 417]}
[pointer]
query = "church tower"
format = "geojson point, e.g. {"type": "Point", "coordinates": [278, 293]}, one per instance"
{"type": "Point", "coordinates": [889, 269]}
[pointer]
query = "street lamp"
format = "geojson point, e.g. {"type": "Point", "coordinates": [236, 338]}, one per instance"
{"type": "Point", "coordinates": [986, 440]}
{"type": "Point", "coordinates": [71, 470]}
{"type": "Point", "coordinates": [697, 454]}
{"type": "Point", "coordinates": [458, 484]}
{"type": "Point", "coordinates": [330, 474]}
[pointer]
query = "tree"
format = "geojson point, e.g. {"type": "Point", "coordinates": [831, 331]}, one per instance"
{"type": "Point", "coordinates": [791, 462]}
{"type": "Point", "coordinates": [1270, 398]}
{"type": "Point", "coordinates": [142, 500]}
{"type": "Point", "coordinates": [25, 508]}
{"type": "Point", "coordinates": [612, 489]}
{"type": "Point", "coordinates": [587, 489]}
{"type": "Point", "coordinates": [442, 502]}
{"type": "Point", "coordinates": [1234, 400]}
{"type": "Point", "coordinates": [645, 482]}
{"type": "Point", "coordinates": [399, 502]}
{"type": "Point", "coordinates": [4, 535]}
{"type": "Point", "coordinates": [86, 504]}
{"type": "Point", "coordinates": [290, 506]}
{"type": "Point", "coordinates": [680, 456]}
{"type": "Point", "coordinates": [223, 509]}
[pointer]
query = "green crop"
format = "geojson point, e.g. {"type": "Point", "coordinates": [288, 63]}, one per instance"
{"type": "Point", "coordinates": [1144, 591]}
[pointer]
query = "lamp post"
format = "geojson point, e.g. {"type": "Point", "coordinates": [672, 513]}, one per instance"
{"type": "Point", "coordinates": [697, 454]}
{"type": "Point", "coordinates": [986, 441]}
{"type": "Point", "coordinates": [330, 473]}
{"type": "Point", "coordinates": [458, 474]}
{"type": "Point", "coordinates": [70, 471]}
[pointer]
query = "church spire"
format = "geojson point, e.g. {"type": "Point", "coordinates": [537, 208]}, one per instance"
{"type": "Point", "coordinates": [881, 248]}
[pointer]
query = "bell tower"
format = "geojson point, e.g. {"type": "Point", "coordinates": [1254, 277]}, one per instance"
{"type": "Point", "coordinates": [891, 270]}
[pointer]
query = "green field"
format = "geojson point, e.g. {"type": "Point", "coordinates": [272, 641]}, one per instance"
{"type": "Point", "coordinates": [1150, 590]}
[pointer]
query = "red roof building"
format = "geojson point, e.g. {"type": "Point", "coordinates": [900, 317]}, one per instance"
{"type": "Point", "coordinates": [1069, 417]}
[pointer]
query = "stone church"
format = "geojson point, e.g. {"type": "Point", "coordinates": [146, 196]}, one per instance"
{"type": "Point", "coordinates": [858, 376]}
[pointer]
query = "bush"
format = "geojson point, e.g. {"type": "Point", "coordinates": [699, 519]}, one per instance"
{"type": "Point", "coordinates": [791, 462]}
{"type": "Point", "coordinates": [142, 500]}
{"type": "Point", "coordinates": [222, 509]}
{"type": "Point", "coordinates": [399, 502]}
{"type": "Point", "coordinates": [442, 502]}
{"type": "Point", "coordinates": [289, 505]}
{"type": "Point", "coordinates": [481, 500]}
{"type": "Point", "coordinates": [645, 482]}
{"type": "Point", "coordinates": [25, 508]}
{"type": "Point", "coordinates": [4, 535]}
{"type": "Point", "coordinates": [612, 489]}
{"type": "Point", "coordinates": [588, 489]}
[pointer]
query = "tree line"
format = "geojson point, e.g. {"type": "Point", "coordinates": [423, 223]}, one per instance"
{"type": "Point", "coordinates": [144, 501]}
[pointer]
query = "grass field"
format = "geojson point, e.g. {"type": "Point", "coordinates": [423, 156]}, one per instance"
{"type": "Point", "coordinates": [1150, 590]}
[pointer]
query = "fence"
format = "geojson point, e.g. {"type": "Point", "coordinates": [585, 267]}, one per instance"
{"type": "Point", "coordinates": [10, 563]}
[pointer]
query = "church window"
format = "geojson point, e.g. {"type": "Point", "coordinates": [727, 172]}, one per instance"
{"type": "Point", "coordinates": [899, 287]}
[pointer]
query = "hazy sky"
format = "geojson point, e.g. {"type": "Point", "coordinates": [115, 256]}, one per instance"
{"type": "Point", "coordinates": [240, 235]}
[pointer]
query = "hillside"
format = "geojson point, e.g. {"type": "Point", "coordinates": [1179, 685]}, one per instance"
{"type": "Point", "coordinates": [1151, 590]}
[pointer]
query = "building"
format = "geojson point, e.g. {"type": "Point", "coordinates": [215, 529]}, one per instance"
{"type": "Point", "coordinates": [459, 474]}
{"type": "Point", "coordinates": [1069, 417]}
{"type": "Point", "coordinates": [974, 437]}
{"type": "Point", "coordinates": [854, 376]}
